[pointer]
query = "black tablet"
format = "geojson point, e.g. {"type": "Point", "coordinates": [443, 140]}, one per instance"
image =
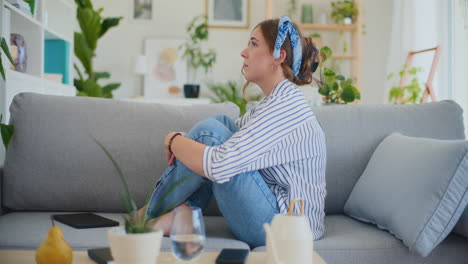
{"type": "Point", "coordinates": [84, 220]}
{"type": "Point", "coordinates": [100, 255]}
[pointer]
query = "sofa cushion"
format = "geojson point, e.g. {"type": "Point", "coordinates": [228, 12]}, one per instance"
{"type": "Point", "coordinates": [53, 164]}
{"type": "Point", "coordinates": [27, 230]}
{"type": "Point", "coordinates": [352, 133]}
{"type": "Point", "coordinates": [414, 187]}
{"type": "Point", "coordinates": [353, 242]}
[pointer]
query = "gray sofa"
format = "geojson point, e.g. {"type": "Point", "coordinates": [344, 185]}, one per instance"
{"type": "Point", "coordinates": [52, 165]}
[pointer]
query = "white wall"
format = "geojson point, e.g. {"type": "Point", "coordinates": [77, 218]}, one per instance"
{"type": "Point", "coordinates": [117, 50]}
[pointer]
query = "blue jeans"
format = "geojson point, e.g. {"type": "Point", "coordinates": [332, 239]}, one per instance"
{"type": "Point", "coordinates": [246, 202]}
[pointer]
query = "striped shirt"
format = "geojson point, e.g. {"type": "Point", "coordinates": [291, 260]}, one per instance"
{"type": "Point", "coordinates": [282, 139]}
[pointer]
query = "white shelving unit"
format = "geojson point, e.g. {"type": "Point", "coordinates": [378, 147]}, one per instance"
{"type": "Point", "coordinates": [53, 20]}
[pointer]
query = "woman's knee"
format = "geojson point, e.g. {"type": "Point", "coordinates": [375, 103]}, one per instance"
{"type": "Point", "coordinates": [209, 129]}
{"type": "Point", "coordinates": [227, 121]}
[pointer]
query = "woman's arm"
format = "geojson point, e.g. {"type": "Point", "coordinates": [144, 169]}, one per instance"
{"type": "Point", "coordinates": [187, 151]}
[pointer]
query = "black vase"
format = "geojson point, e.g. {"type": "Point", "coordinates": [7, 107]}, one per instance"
{"type": "Point", "coordinates": [191, 90]}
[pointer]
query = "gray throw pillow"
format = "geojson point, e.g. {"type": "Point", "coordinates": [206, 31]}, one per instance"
{"type": "Point", "coordinates": [416, 188]}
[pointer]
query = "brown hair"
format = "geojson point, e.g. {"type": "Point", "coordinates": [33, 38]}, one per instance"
{"type": "Point", "coordinates": [269, 29]}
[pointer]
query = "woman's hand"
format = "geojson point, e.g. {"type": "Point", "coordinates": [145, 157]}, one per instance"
{"type": "Point", "coordinates": [170, 157]}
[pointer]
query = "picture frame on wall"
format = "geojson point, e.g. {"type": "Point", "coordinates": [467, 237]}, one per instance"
{"type": "Point", "coordinates": [167, 71]}
{"type": "Point", "coordinates": [142, 10]}
{"type": "Point", "coordinates": [228, 14]}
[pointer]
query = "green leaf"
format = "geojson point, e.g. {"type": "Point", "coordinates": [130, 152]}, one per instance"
{"type": "Point", "coordinates": [84, 53]}
{"type": "Point", "coordinates": [110, 87]}
{"type": "Point", "coordinates": [357, 93]}
{"type": "Point", "coordinates": [7, 132]}
{"type": "Point", "coordinates": [131, 204]}
{"type": "Point", "coordinates": [78, 84]}
{"type": "Point", "coordinates": [340, 77]}
{"type": "Point", "coordinates": [2, 71]}
{"type": "Point", "coordinates": [90, 24]}
{"type": "Point", "coordinates": [324, 90]}
{"type": "Point", "coordinates": [78, 71]}
{"type": "Point", "coordinates": [335, 86]}
{"type": "Point", "coordinates": [326, 52]}
{"type": "Point", "coordinates": [6, 49]}
{"type": "Point", "coordinates": [101, 75]}
{"type": "Point", "coordinates": [348, 94]}
{"type": "Point", "coordinates": [108, 23]}
{"type": "Point", "coordinates": [82, 94]}
{"type": "Point", "coordinates": [91, 88]}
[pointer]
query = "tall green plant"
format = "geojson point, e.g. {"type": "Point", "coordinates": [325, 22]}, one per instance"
{"type": "Point", "coordinates": [93, 27]}
{"type": "Point", "coordinates": [230, 92]}
{"type": "Point", "coordinates": [410, 93]}
{"type": "Point", "coordinates": [197, 58]}
{"type": "Point", "coordinates": [138, 222]}
{"type": "Point", "coordinates": [5, 130]}
{"type": "Point", "coordinates": [336, 88]}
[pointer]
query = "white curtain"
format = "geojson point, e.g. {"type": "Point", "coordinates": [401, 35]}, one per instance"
{"type": "Point", "coordinates": [419, 25]}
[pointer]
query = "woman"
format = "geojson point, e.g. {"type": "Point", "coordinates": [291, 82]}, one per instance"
{"type": "Point", "coordinates": [257, 164]}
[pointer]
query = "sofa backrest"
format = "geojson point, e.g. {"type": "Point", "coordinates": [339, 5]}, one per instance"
{"type": "Point", "coordinates": [53, 164]}
{"type": "Point", "coordinates": [353, 132]}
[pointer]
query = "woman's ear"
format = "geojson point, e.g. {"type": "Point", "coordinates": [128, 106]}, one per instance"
{"type": "Point", "coordinates": [282, 57]}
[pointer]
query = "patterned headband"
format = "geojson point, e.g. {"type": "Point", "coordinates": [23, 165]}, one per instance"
{"type": "Point", "coordinates": [286, 27]}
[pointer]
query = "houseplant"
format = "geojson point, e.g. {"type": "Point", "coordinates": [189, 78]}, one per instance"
{"type": "Point", "coordinates": [343, 12]}
{"type": "Point", "coordinates": [403, 94]}
{"type": "Point", "coordinates": [196, 57]}
{"type": "Point", "coordinates": [93, 27]}
{"type": "Point", "coordinates": [5, 130]}
{"type": "Point", "coordinates": [4, 47]}
{"type": "Point", "coordinates": [336, 88]}
{"type": "Point", "coordinates": [228, 92]}
{"type": "Point", "coordinates": [137, 241]}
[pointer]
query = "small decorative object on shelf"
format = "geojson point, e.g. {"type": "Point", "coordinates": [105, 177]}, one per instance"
{"type": "Point", "coordinates": [307, 15]}
{"type": "Point", "coordinates": [197, 32]}
{"type": "Point", "coordinates": [21, 61]}
{"type": "Point", "coordinates": [343, 12]}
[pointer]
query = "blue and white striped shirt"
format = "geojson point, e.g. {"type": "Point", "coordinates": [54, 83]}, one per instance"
{"type": "Point", "coordinates": [282, 139]}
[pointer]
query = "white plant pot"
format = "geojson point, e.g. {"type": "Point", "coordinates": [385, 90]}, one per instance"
{"type": "Point", "coordinates": [348, 20]}
{"type": "Point", "coordinates": [134, 248]}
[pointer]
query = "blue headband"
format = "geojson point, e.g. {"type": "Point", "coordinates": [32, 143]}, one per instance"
{"type": "Point", "coordinates": [286, 27]}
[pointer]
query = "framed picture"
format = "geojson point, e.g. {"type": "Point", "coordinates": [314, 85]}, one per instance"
{"type": "Point", "coordinates": [167, 69]}
{"type": "Point", "coordinates": [142, 9]}
{"type": "Point", "coordinates": [228, 13]}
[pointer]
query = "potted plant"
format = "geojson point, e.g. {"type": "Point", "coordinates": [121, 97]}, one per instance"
{"type": "Point", "coordinates": [336, 88]}
{"type": "Point", "coordinates": [343, 12]}
{"type": "Point", "coordinates": [137, 241]}
{"type": "Point", "coordinates": [93, 27]}
{"type": "Point", "coordinates": [404, 94]}
{"type": "Point", "coordinates": [228, 92]}
{"type": "Point", "coordinates": [196, 57]}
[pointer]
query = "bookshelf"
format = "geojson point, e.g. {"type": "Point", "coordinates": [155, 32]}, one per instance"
{"type": "Point", "coordinates": [355, 31]}
{"type": "Point", "coordinates": [48, 35]}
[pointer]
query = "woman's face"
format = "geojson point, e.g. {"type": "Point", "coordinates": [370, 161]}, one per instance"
{"type": "Point", "coordinates": [258, 59]}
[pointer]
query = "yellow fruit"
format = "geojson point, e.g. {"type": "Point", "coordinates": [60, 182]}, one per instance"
{"type": "Point", "coordinates": [54, 249]}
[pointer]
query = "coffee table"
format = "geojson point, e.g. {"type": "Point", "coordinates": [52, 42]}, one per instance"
{"type": "Point", "coordinates": [81, 257]}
